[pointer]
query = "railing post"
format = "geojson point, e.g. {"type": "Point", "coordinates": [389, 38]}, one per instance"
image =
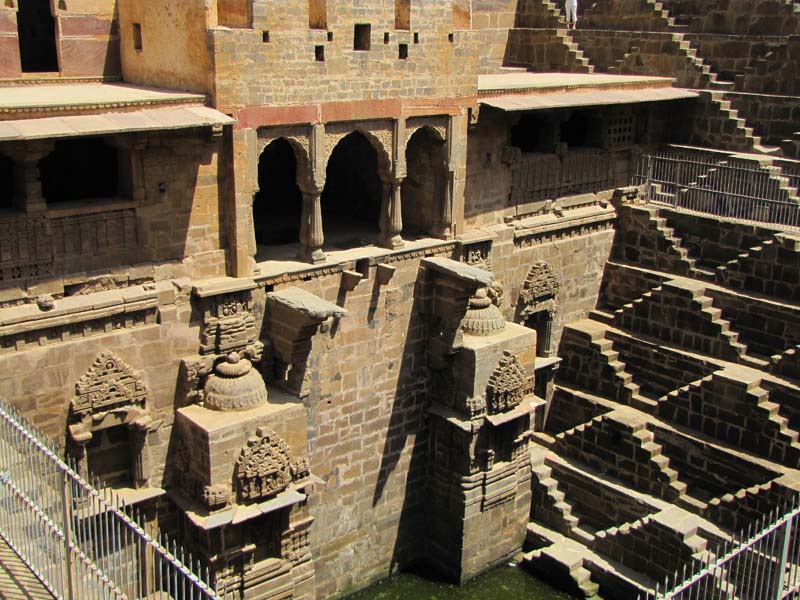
{"type": "Point", "coordinates": [66, 511]}
{"type": "Point", "coordinates": [787, 534]}
{"type": "Point", "coordinates": [649, 177]}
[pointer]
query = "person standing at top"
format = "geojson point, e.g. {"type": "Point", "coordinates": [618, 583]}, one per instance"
{"type": "Point", "coordinates": [571, 8]}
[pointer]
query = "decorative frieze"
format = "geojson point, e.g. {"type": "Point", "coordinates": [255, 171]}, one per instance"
{"type": "Point", "coordinates": [506, 388]}
{"type": "Point", "coordinates": [263, 468]}
{"type": "Point", "coordinates": [108, 384]}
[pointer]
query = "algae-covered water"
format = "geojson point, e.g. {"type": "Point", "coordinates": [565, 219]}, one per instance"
{"type": "Point", "coordinates": [502, 583]}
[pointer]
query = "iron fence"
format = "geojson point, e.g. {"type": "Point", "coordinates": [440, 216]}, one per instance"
{"type": "Point", "coordinates": [761, 563]}
{"type": "Point", "coordinates": [81, 541]}
{"type": "Point", "coordinates": [730, 188]}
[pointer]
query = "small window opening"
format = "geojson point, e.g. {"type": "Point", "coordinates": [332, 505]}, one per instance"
{"type": "Point", "coordinates": [403, 53]}
{"type": "Point", "coordinates": [319, 53]}
{"type": "Point", "coordinates": [386, 38]}
{"type": "Point", "coordinates": [137, 37]}
{"type": "Point", "coordinates": [7, 187]}
{"type": "Point", "coordinates": [451, 38]}
{"type": "Point", "coordinates": [317, 14]}
{"type": "Point", "coordinates": [265, 36]}
{"type": "Point", "coordinates": [402, 14]}
{"type": "Point", "coordinates": [416, 37]}
{"type": "Point", "coordinates": [79, 169]}
{"type": "Point", "coordinates": [37, 37]}
{"type": "Point", "coordinates": [330, 36]}
{"type": "Point", "coordinates": [361, 36]}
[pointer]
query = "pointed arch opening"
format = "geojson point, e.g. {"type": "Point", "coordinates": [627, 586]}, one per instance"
{"type": "Point", "coordinates": [351, 200]}
{"type": "Point", "coordinates": [278, 203]}
{"type": "Point", "coordinates": [423, 190]}
{"type": "Point", "coordinates": [36, 27]}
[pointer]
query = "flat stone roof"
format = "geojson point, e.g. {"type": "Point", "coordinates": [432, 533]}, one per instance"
{"type": "Point", "coordinates": [518, 91]}
{"type": "Point", "coordinates": [80, 98]}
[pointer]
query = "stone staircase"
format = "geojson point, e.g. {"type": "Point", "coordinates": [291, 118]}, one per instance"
{"type": "Point", "coordinates": [549, 503]}
{"type": "Point", "coordinates": [679, 312]}
{"type": "Point", "coordinates": [771, 267]}
{"type": "Point", "coordinates": [619, 445]}
{"type": "Point", "coordinates": [759, 427]}
{"type": "Point", "coordinates": [549, 49]}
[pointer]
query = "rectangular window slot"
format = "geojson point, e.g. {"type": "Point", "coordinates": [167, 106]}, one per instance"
{"type": "Point", "coordinates": [451, 38]}
{"type": "Point", "coordinates": [386, 38]}
{"type": "Point", "coordinates": [403, 51]}
{"type": "Point", "coordinates": [330, 36]}
{"type": "Point", "coordinates": [319, 53]}
{"type": "Point", "coordinates": [361, 36]}
{"type": "Point", "coordinates": [265, 37]}
{"type": "Point", "coordinates": [137, 37]}
{"type": "Point", "coordinates": [416, 37]}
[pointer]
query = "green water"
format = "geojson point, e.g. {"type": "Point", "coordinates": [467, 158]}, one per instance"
{"type": "Point", "coordinates": [503, 583]}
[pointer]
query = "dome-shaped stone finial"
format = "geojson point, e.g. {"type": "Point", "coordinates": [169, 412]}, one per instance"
{"type": "Point", "coordinates": [234, 385]}
{"type": "Point", "coordinates": [483, 316]}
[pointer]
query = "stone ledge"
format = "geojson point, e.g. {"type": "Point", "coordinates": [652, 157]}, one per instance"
{"type": "Point", "coordinates": [298, 300]}
{"type": "Point", "coordinates": [459, 271]}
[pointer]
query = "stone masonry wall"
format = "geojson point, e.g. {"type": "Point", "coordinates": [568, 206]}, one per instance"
{"type": "Point", "coordinates": [654, 545]}
{"type": "Point", "coordinates": [285, 70]}
{"type": "Point", "coordinates": [40, 380]}
{"type": "Point", "coordinates": [771, 268]}
{"type": "Point", "coordinates": [367, 380]}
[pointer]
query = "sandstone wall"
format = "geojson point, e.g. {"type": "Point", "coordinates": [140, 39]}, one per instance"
{"type": "Point", "coordinates": [286, 70]}
{"type": "Point", "coordinates": [176, 25]}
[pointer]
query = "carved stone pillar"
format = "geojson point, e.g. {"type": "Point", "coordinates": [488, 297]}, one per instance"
{"type": "Point", "coordinates": [311, 235]}
{"type": "Point", "coordinates": [444, 223]}
{"type": "Point", "coordinates": [77, 451]}
{"type": "Point", "coordinates": [140, 453]}
{"type": "Point", "coordinates": [28, 196]}
{"type": "Point", "coordinates": [392, 215]}
{"type": "Point", "coordinates": [547, 337]}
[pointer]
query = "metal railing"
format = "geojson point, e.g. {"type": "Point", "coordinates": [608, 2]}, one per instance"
{"type": "Point", "coordinates": [80, 541]}
{"type": "Point", "coordinates": [762, 563]}
{"type": "Point", "coordinates": [722, 187]}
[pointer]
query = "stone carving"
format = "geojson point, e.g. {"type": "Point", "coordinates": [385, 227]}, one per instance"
{"type": "Point", "coordinates": [506, 387]}
{"type": "Point", "coordinates": [234, 385]}
{"type": "Point", "coordinates": [45, 302]}
{"type": "Point", "coordinates": [216, 496]}
{"type": "Point", "coordinates": [263, 468]}
{"type": "Point", "coordinates": [228, 323]}
{"type": "Point", "coordinates": [300, 468]}
{"type": "Point", "coordinates": [540, 283]}
{"type": "Point", "coordinates": [478, 254]}
{"type": "Point", "coordinates": [483, 316]}
{"type": "Point", "coordinates": [107, 384]}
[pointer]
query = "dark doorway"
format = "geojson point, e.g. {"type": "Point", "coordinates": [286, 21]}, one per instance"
{"type": "Point", "coordinates": [278, 202]}
{"type": "Point", "coordinates": [423, 188]}
{"type": "Point", "coordinates": [534, 133]}
{"type": "Point", "coordinates": [6, 183]}
{"type": "Point", "coordinates": [581, 130]}
{"type": "Point", "coordinates": [80, 169]}
{"type": "Point", "coordinates": [37, 37]}
{"type": "Point", "coordinates": [108, 455]}
{"type": "Point", "coordinates": [542, 323]}
{"type": "Point", "coordinates": [351, 201]}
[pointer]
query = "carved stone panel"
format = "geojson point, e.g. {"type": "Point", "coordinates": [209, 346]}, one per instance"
{"type": "Point", "coordinates": [540, 286]}
{"type": "Point", "coordinates": [264, 466]}
{"type": "Point", "coordinates": [109, 383]}
{"type": "Point", "coordinates": [228, 323]}
{"type": "Point", "coordinates": [506, 387]}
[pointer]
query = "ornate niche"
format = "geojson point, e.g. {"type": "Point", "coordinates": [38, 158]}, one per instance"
{"type": "Point", "coordinates": [506, 387]}
{"type": "Point", "coordinates": [109, 419]}
{"type": "Point", "coordinates": [537, 304]}
{"type": "Point", "coordinates": [264, 467]}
